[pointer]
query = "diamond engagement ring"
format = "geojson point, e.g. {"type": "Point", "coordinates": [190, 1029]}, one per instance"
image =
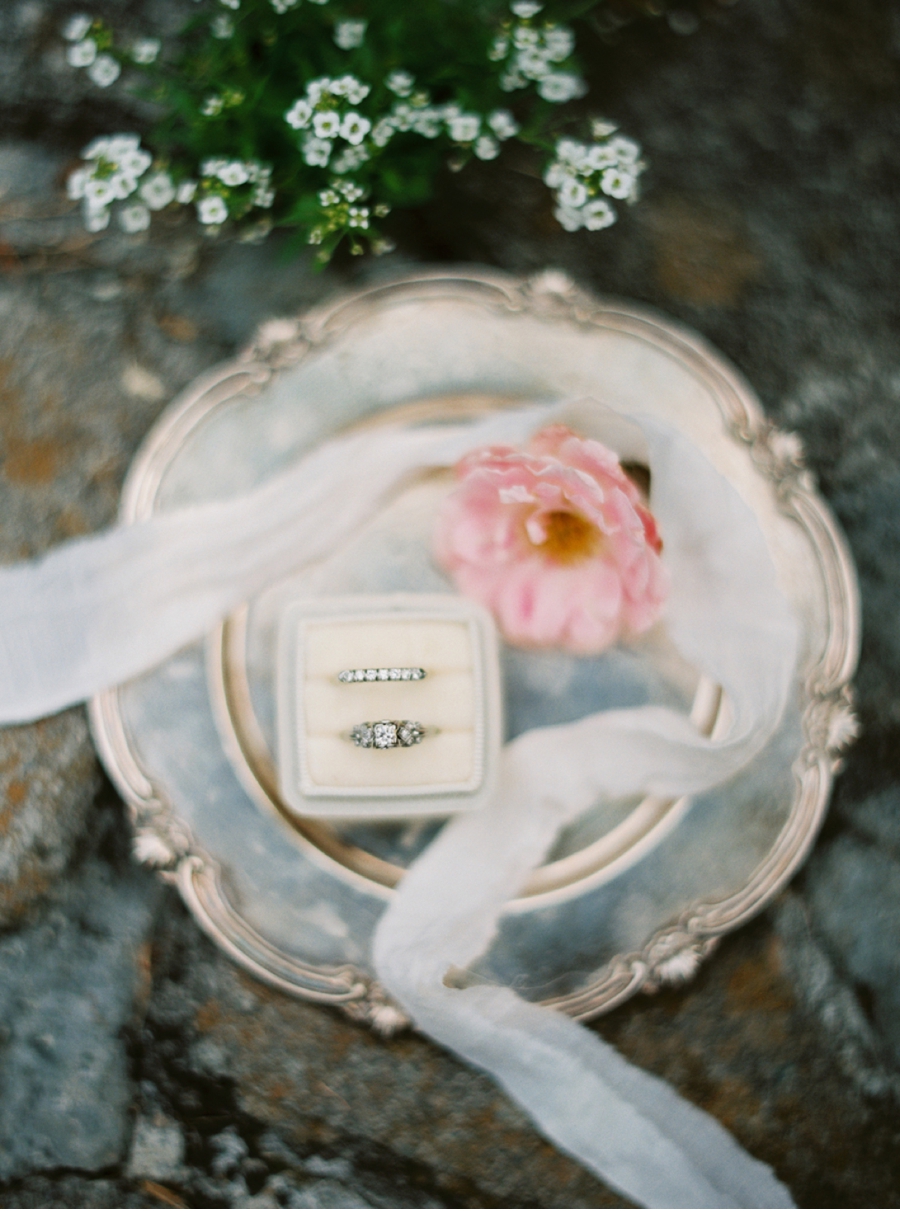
{"type": "Point", "coordinates": [392, 674]}
{"type": "Point", "coordinates": [388, 733]}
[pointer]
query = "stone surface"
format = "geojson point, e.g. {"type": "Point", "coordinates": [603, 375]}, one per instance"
{"type": "Point", "coordinates": [137, 1066]}
{"type": "Point", "coordinates": [48, 780]}
{"type": "Point", "coordinates": [68, 986]}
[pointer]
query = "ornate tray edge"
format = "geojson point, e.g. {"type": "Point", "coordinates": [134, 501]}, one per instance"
{"type": "Point", "coordinates": [673, 953]}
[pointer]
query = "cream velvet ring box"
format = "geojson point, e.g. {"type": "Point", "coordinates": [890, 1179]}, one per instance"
{"type": "Point", "coordinates": [346, 664]}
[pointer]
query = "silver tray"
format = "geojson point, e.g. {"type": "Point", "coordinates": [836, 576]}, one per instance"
{"type": "Point", "coordinates": [636, 893]}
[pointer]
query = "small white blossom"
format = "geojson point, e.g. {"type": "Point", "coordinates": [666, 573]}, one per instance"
{"type": "Point", "coordinates": [122, 185]}
{"type": "Point", "coordinates": [555, 175]}
{"type": "Point", "coordinates": [382, 245]}
{"type": "Point", "coordinates": [486, 148]}
{"type": "Point", "coordinates": [328, 197]}
{"type": "Point", "coordinates": [401, 83]}
{"type": "Point", "coordinates": [601, 128]}
{"type": "Point", "coordinates": [503, 124]}
{"type": "Point", "coordinates": [617, 184]}
{"type": "Point", "coordinates": [625, 150]}
{"type": "Point", "coordinates": [559, 42]}
{"type": "Point", "coordinates": [317, 152]}
{"type": "Point", "coordinates": [327, 125]}
{"type": "Point", "coordinates": [96, 219]}
{"type": "Point", "coordinates": [221, 27]}
{"type": "Point", "coordinates": [349, 34]}
{"type": "Point", "coordinates": [571, 220]}
{"type": "Point", "coordinates": [158, 190]}
{"type": "Point", "coordinates": [82, 54]}
{"type": "Point", "coordinates": [315, 89]}
{"type": "Point", "coordinates": [210, 167]}
{"type": "Point", "coordinates": [382, 132]}
{"type": "Point", "coordinates": [75, 184]}
{"type": "Point", "coordinates": [532, 63]}
{"type": "Point", "coordinates": [134, 218]}
{"type": "Point", "coordinates": [105, 70]}
{"type": "Point", "coordinates": [348, 86]}
{"type": "Point", "coordinates": [572, 194]}
{"type": "Point", "coordinates": [358, 216]}
{"type": "Point", "coordinates": [350, 159]}
{"type": "Point", "coordinates": [356, 90]}
{"type": "Point", "coordinates": [498, 48]}
{"type": "Point", "coordinates": [232, 4]}
{"type": "Point", "coordinates": [282, 6]}
{"type": "Point", "coordinates": [601, 156]}
{"type": "Point", "coordinates": [111, 147]}
{"type": "Point", "coordinates": [464, 127]}
{"type": "Point", "coordinates": [562, 86]}
{"type": "Point", "coordinates": [351, 191]}
{"type": "Point", "coordinates": [570, 151]}
{"type": "Point", "coordinates": [427, 122]}
{"type": "Point", "coordinates": [233, 173]}
{"type": "Point", "coordinates": [354, 127]}
{"type": "Point", "coordinates": [524, 36]}
{"type": "Point", "coordinates": [76, 27]}
{"type": "Point", "coordinates": [263, 196]}
{"type": "Point", "coordinates": [212, 209]}
{"type": "Point", "coordinates": [598, 214]}
{"type": "Point", "coordinates": [99, 192]}
{"type": "Point", "coordinates": [145, 50]}
{"type": "Point", "coordinates": [135, 162]}
{"type": "Point", "coordinates": [185, 192]}
{"type": "Point", "coordinates": [526, 8]}
{"type": "Point", "coordinates": [403, 116]}
{"type": "Point", "coordinates": [299, 114]}
{"type": "Point", "coordinates": [511, 80]}
{"type": "Point", "coordinates": [212, 106]}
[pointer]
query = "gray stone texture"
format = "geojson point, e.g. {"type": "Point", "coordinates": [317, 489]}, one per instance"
{"type": "Point", "coordinates": [68, 985]}
{"type": "Point", "coordinates": [138, 1067]}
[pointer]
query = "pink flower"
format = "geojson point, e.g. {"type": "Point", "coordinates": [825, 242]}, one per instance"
{"type": "Point", "coordinates": [555, 541]}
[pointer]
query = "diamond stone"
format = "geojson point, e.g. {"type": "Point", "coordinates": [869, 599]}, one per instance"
{"type": "Point", "coordinates": [363, 735]}
{"type": "Point", "coordinates": [409, 733]}
{"type": "Point", "coordinates": [385, 733]}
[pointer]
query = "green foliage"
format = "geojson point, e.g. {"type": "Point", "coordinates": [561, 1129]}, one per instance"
{"type": "Point", "coordinates": [325, 114]}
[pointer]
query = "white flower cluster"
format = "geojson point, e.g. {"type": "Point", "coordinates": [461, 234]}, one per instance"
{"type": "Point", "coordinates": [117, 170]}
{"type": "Point", "coordinates": [349, 34]}
{"type": "Point", "coordinates": [530, 54]}
{"type": "Point", "coordinates": [102, 68]}
{"type": "Point", "coordinates": [83, 51]}
{"type": "Point", "coordinates": [342, 211]}
{"type": "Point", "coordinates": [212, 205]}
{"type": "Point", "coordinates": [585, 175]}
{"type": "Point", "coordinates": [113, 172]}
{"type": "Point", "coordinates": [326, 114]}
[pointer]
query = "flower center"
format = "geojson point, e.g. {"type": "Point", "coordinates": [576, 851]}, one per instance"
{"type": "Point", "coordinates": [570, 537]}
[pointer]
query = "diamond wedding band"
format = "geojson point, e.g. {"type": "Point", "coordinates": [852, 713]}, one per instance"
{"type": "Point", "coordinates": [388, 733]}
{"type": "Point", "coordinates": [392, 674]}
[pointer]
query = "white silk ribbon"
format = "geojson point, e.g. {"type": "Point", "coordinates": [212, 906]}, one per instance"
{"type": "Point", "coordinates": [100, 610]}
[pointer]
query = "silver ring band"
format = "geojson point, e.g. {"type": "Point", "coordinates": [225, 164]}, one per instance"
{"type": "Point", "coordinates": [388, 733]}
{"type": "Point", "coordinates": [381, 674]}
